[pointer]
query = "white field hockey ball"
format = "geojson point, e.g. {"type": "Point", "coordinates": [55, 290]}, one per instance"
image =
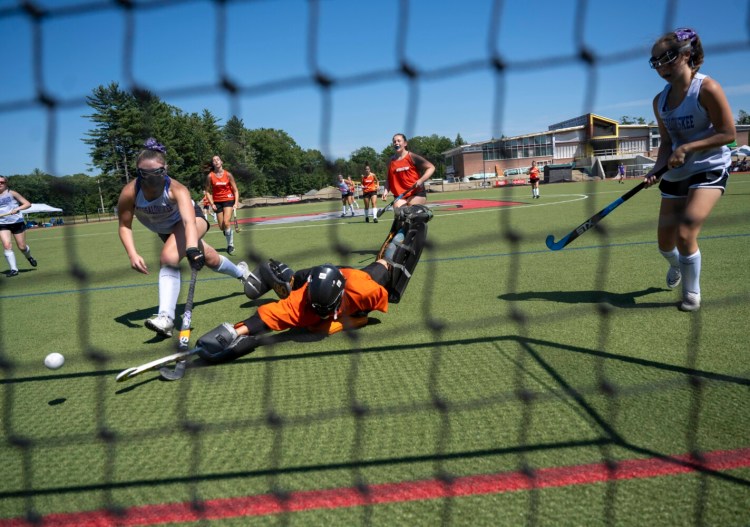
{"type": "Point", "coordinates": [54, 361]}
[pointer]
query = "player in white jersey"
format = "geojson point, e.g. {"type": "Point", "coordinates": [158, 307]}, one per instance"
{"type": "Point", "coordinates": [695, 124]}
{"type": "Point", "coordinates": [165, 207]}
{"type": "Point", "coordinates": [13, 223]}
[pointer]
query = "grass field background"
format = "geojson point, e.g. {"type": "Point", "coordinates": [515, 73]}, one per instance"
{"type": "Point", "coordinates": [503, 356]}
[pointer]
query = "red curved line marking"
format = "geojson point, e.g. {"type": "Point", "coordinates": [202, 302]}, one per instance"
{"type": "Point", "coordinates": [267, 504]}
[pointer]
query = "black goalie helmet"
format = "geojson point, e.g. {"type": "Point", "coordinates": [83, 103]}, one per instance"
{"type": "Point", "coordinates": [325, 289]}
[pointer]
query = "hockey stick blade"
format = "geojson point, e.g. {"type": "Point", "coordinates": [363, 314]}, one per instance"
{"type": "Point", "coordinates": [175, 374]}
{"type": "Point", "coordinates": [596, 218]}
{"type": "Point", "coordinates": [154, 364]}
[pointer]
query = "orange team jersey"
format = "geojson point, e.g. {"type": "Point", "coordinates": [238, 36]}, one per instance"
{"type": "Point", "coordinates": [534, 173]}
{"type": "Point", "coordinates": [402, 174]}
{"type": "Point", "coordinates": [370, 183]}
{"type": "Point", "coordinates": [221, 188]}
{"type": "Point", "coordinates": [361, 293]}
{"type": "Point", "coordinates": [350, 184]}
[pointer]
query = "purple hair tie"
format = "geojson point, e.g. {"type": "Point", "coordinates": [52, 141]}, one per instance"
{"type": "Point", "coordinates": [685, 33]}
{"type": "Point", "coordinates": [153, 144]}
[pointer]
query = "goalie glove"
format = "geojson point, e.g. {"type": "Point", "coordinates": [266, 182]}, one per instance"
{"type": "Point", "coordinates": [278, 276]}
{"type": "Point", "coordinates": [224, 343]}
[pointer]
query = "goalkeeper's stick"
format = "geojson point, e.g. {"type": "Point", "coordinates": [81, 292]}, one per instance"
{"type": "Point", "coordinates": [599, 216]}
{"type": "Point", "coordinates": [184, 343]}
{"type": "Point", "coordinates": [137, 370]}
{"type": "Point", "coordinates": [236, 223]}
{"type": "Point", "coordinates": [400, 196]}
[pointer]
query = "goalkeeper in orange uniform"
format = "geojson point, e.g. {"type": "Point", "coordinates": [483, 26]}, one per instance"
{"type": "Point", "coordinates": [324, 299]}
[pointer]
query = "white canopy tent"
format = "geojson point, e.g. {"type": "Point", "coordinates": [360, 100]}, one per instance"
{"type": "Point", "coordinates": [40, 207]}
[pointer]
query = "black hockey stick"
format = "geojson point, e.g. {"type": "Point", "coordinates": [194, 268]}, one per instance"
{"type": "Point", "coordinates": [400, 196]}
{"type": "Point", "coordinates": [184, 343]}
{"type": "Point", "coordinates": [599, 216]}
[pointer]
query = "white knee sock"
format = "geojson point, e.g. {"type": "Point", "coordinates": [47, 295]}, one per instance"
{"type": "Point", "coordinates": [228, 236]}
{"type": "Point", "coordinates": [227, 267]}
{"type": "Point", "coordinates": [27, 252]}
{"type": "Point", "coordinates": [673, 257]}
{"type": "Point", "coordinates": [690, 267]}
{"type": "Point", "coordinates": [11, 257]}
{"type": "Point", "coordinates": [375, 212]}
{"type": "Point", "coordinates": [169, 289]}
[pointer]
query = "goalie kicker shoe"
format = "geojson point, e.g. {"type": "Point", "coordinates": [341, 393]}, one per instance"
{"type": "Point", "coordinates": [161, 324]}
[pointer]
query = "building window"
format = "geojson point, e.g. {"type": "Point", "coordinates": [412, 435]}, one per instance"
{"type": "Point", "coordinates": [526, 147]}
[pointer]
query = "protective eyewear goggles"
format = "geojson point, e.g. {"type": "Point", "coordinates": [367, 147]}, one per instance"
{"type": "Point", "coordinates": [667, 58]}
{"type": "Point", "coordinates": [156, 172]}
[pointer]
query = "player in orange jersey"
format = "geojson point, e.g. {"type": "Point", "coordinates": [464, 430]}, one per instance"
{"type": "Point", "coordinates": [222, 193]}
{"type": "Point", "coordinates": [370, 186]}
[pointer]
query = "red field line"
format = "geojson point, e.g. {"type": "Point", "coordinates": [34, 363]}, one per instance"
{"type": "Point", "coordinates": [268, 504]}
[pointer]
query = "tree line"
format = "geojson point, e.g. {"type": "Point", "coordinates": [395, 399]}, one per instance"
{"type": "Point", "coordinates": [264, 161]}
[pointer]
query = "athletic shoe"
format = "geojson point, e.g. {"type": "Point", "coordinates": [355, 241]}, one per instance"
{"type": "Point", "coordinates": [352, 214]}
{"type": "Point", "coordinates": [12, 272]}
{"type": "Point", "coordinates": [342, 214]}
{"type": "Point", "coordinates": [245, 270]}
{"type": "Point", "coordinates": [162, 324]}
{"type": "Point", "coordinates": [32, 261]}
{"type": "Point", "coordinates": [367, 219]}
{"type": "Point", "coordinates": [674, 277]}
{"type": "Point", "coordinates": [375, 219]}
{"type": "Point", "coordinates": [230, 249]}
{"type": "Point", "coordinates": [690, 302]}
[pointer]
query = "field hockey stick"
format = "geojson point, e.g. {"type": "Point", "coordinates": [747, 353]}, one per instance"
{"type": "Point", "coordinates": [184, 340]}
{"type": "Point", "coordinates": [137, 370]}
{"type": "Point", "coordinates": [599, 216]}
{"type": "Point", "coordinates": [236, 223]}
{"type": "Point", "coordinates": [400, 196]}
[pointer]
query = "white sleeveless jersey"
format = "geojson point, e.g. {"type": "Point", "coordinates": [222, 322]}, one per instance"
{"type": "Point", "coordinates": [7, 204]}
{"type": "Point", "coordinates": [689, 122]}
{"type": "Point", "coordinates": [159, 215]}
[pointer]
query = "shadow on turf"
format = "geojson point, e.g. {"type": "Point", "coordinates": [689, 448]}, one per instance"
{"type": "Point", "coordinates": [604, 434]}
{"type": "Point", "coordinates": [135, 319]}
{"type": "Point", "coordinates": [626, 300]}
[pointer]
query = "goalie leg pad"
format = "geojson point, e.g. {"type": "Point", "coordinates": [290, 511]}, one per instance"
{"type": "Point", "coordinates": [403, 220]}
{"type": "Point", "coordinates": [223, 343]}
{"type": "Point", "coordinates": [405, 259]}
{"type": "Point", "coordinates": [278, 276]}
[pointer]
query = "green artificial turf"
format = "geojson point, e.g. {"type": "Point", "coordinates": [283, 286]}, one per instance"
{"type": "Point", "coordinates": [501, 355]}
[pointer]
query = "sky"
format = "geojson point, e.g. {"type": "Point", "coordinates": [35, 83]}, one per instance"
{"type": "Point", "coordinates": [273, 50]}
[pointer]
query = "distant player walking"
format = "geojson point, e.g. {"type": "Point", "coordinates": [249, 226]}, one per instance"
{"type": "Point", "coordinates": [222, 193]}
{"type": "Point", "coordinates": [534, 180]}
{"type": "Point", "coordinates": [621, 173]}
{"type": "Point", "coordinates": [370, 186]}
{"type": "Point", "coordinates": [346, 196]}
